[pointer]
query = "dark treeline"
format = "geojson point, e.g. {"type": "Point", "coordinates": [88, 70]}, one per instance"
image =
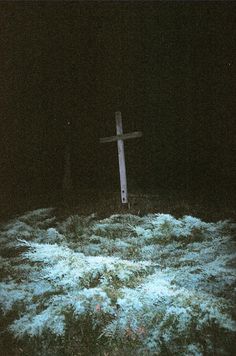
{"type": "Point", "coordinates": [170, 69]}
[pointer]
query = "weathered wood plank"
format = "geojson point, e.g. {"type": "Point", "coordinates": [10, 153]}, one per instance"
{"type": "Point", "coordinates": [119, 138]}
{"type": "Point", "coordinates": [121, 157]}
{"type": "Point", "coordinates": [127, 136]}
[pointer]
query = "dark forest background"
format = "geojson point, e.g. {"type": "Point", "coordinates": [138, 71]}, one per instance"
{"type": "Point", "coordinates": [168, 67]}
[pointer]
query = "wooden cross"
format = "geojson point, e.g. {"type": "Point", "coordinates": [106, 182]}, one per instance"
{"type": "Point", "coordinates": [119, 138]}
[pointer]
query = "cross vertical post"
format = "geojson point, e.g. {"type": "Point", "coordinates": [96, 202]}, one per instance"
{"type": "Point", "coordinates": [119, 138]}
{"type": "Point", "coordinates": [121, 157]}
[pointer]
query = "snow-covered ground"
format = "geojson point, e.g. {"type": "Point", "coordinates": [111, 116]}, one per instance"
{"type": "Point", "coordinates": [165, 285]}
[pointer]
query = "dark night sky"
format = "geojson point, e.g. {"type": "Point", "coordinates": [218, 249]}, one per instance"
{"type": "Point", "coordinates": [170, 69]}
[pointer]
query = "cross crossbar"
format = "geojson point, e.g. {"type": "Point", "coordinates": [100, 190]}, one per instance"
{"type": "Point", "coordinates": [127, 136]}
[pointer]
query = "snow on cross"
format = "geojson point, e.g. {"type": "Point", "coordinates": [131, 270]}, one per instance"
{"type": "Point", "coordinates": [120, 137]}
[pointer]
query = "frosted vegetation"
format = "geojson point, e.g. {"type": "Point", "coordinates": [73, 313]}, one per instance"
{"type": "Point", "coordinates": [151, 285]}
